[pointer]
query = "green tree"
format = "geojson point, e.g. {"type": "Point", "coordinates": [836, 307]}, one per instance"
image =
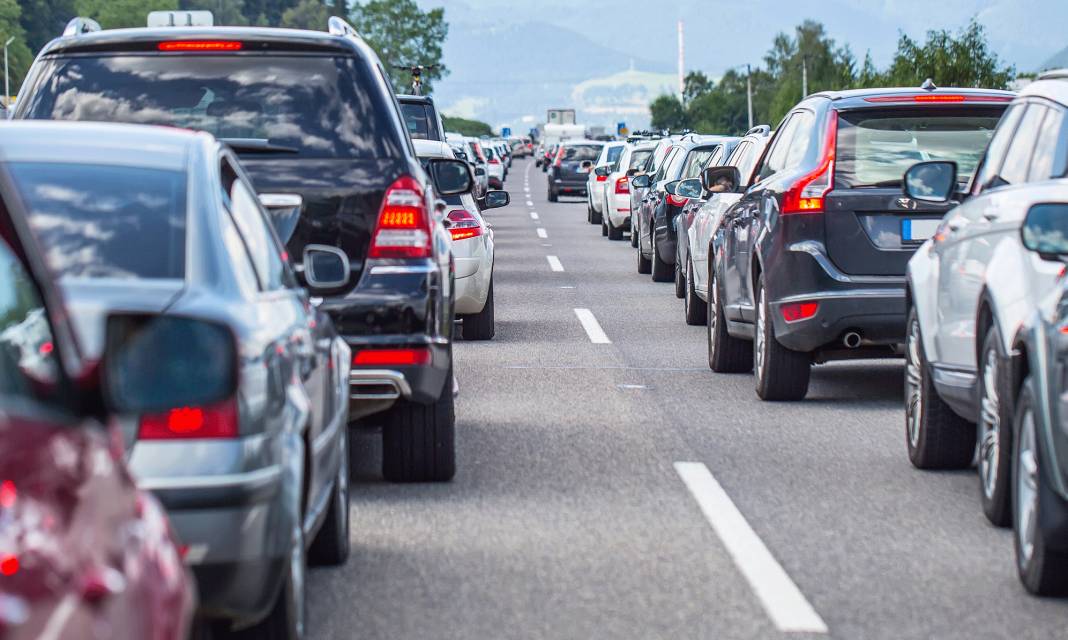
{"type": "Point", "coordinates": [308, 14]}
{"type": "Point", "coordinates": [962, 61]}
{"type": "Point", "coordinates": [44, 20]}
{"type": "Point", "coordinates": [466, 127]}
{"type": "Point", "coordinates": [668, 113]}
{"type": "Point", "coordinates": [695, 84]}
{"type": "Point", "coordinates": [267, 13]}
{"type": "Point", "coordinates": [229, 13]}
{"type": "Point", "coordinates": [404, 36]}
{"type": "Point", "coordinates": [117, 14]}
{"type": "Point", "coordinates": [828, 67]}
{"type": "Point", "coordinates": [19, 55]}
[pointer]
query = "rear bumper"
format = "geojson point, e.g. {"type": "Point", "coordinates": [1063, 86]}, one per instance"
{"type": "Point", "coordinates": [576, 187]}
{"type": "Point", "coordinates": [375, 389]}
{"type": "Point", "coordinates": [619, 209]}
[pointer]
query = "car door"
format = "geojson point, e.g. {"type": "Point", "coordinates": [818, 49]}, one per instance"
{"type": "Point", "coordinates": [702, 227]}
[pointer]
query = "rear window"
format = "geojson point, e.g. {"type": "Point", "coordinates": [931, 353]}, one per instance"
{"type": "Point", "coordinates": [581, 153]}
{"type": "Point", "coordinates": [311, 106]}
{"type": "Point", "coordinates": [418, 119]}
{"type": "Point", "coordinates": [105, 221]}
{"type": "Point", "coordinates": [875, 148]}
{"type": "Point", "coordinates": [638, 158]}
{"type": "Point", "coordinates": [613, 155]}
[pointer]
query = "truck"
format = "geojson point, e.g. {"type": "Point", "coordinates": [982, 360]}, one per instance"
{"type": "Point", "coordinates": [554, 133]}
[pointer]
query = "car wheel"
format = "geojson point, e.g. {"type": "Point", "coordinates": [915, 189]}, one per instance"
{"type": "Point", "coordinates": [589, 212]}
{"type": "Point", "coordinates": [680, 280]}
{"type": "Point", "coordinates": [1042, 570]}
{"type": "Point", "coordinates": [331, 544]}
{"type": "Point", "coordinates": [726, 354]}
{"type": "Point", "coordinates": [781, 373]}
{"type": "Point", "coordinates": [696, 310]}
{"type": "Point", "coordinates": [595, 217]}
{"type": "Point", "coordinates": [661, 270]}
{"type": "Point", "coordinates": [286, 619]}
{"type": "Point", "coordinates": [994, 434]}
{"type": "Point", "coordinates": [419, 440]}
{"type": "Point", "coordinates": [604, 225]}
{"type": "Point", "coordinates": [937, 438]}
{"type": "Point", "coordinates": [479, 326]}
{"type": "Point", "coordinates": [644, 264]}
{"type": "Point", "coordinates": [614, 233]}
{"type": "Point", "coordinates": [633, 234]}
{"type": "Point", "coordinates": [552, 195]}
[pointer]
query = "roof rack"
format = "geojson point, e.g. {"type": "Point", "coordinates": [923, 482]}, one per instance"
{"type": "Point", "coordinates": [162, 19]}
{"type": "Point", "coordinates": [1054, 74]}
{"type": "Point", "coordinates": [338, 27]}
{"type": "Point", "coordinates": [78, 26]}
{"type": "Point", "coordinates": [762, 129]}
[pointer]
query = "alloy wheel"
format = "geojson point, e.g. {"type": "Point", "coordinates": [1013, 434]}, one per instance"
{"type": "Point", "coordinates": [989, 425]}
{"type": "Point", "coordinates": [913, 384]}
{"type": "Point", "coordinates": [1026, 489]}
{"type": "Point", "coordinates": [759, 344]}
{"type": "Point", "coordinates": [713, 316]}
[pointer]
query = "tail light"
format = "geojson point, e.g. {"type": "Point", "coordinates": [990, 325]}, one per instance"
{"type": "Point", "coordinates": [559, 158]}
{"type": "Point", "coordinates": [494, 161]}
{"type": "Point", "coordinates": [463, 225]}
{"type": "Point", "coordinates": [602, 178]}
{"type": "Point", "coordinates": [392, 357]}
{"type": "Point", "coordinates": [403, 229]}
{"type": "Point", "coordinates": [212, 421]}
{"type": "Point", "coordinates": [799, 311]}
{"type": "Point", "coordinates": [807, 194]}
{"type": "Point", "coordinates": [623, 185]}
{"type": "Point", "coordinates": [676, 201]}
{"type": "Point", "coordinates": [200, 45]}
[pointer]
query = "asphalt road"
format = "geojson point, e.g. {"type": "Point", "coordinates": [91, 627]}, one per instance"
{"type": "Point", "coordinates": [569, 517]}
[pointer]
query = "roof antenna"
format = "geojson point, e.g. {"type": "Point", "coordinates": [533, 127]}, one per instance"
{"type": "Point", "coordinates": [928, 85]}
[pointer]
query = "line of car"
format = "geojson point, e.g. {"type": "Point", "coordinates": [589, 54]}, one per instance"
{"type": "Point", "coordinates": [194, 314]}
{"type": "Point", "coordinates": [929, 224]}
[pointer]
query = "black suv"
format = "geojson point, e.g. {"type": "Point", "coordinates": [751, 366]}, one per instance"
{"type": "Point", "coordinates": [421, 117]}
{"type": "Point", "coordinates": [319, 130]}
{"type": "Point", "coordinates": [812, 261]}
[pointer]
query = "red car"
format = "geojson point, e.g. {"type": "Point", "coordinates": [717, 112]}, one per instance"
{"type": "Point", "coordinates": [83, 552]}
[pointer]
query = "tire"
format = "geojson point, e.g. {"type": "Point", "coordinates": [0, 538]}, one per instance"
{"type": "Point", "coordinates": [604, 225]}
{"type": "Point", "coordinates": [1042, 570]}
{"type": "Point", "coordinates": [552, 195]}
{"type": "Point", "coordinates": [644, 264]}
{"type": "Point", "coordinates": [614, 233]}
{"type": "Point", "coordinates": [479, 326]}
{"type": "Point", "coordinates": [680, 281]}
{"type": "Point", "coordinates": [937, 438]}
{"type": "Point", "coordinates": [589, 212]}
{"type": "Point", "coordinates": [287, 618]}
{"type": "Point", "coordinates": [994, 433]}
{"type": "Point", "coordinates": [696, 310]}
{"type": "Point", "coordinates": [419, 440]}
{"type": "Point", "coordinates": [331, 544]}
{"type": "Point", "coordinates": [726, 354]}
{"type": "Point", "coordinates": [595, 218]}
{"type": "Point", "coordinates": [633, 234]}
{"type": "Point", "coordinates": [781, 374]}
{"type": "Point", "coordinates": [662, 271]}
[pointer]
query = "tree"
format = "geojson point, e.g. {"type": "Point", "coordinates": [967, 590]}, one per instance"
{"type": "Point", "coordinates": [962, 61]}
{"type": "Point", "coordinates": [695, 84]}
{"type": "Point", "coordinates": [466, 127]}
{"type": "Point", "coordinates": [263, 13]}
{"type": "Point", "coordinates": [117, 14]}
{"type": "Point", "coordinates": [44, 20]}
{"type": "Point", "coordinates": [404, 36]}
{"type": "Point", "coordinates": [668, 113]}
{"type": "Point", "coordinates": [230, 13]}
{"type": "Point", "coordinates": [308, 14]}
{"type": "Point", "coordinates": [19, 55]}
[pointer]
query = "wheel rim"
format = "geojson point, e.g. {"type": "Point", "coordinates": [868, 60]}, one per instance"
{"type": "Point", "coordinates": [989, 425]}
{"type": "Point", "coordinates": [913, 384]}
{"type": "Point", "coordinates": [713, 316]}
{"type": "Point", "coordinates": [760, 341]}
{"type": "Point", "coordinates": [343, 478]}
{"type": "Point", "coordinates": [1026, 489]}
{"type": "Point", "coordinates": [296, 572]}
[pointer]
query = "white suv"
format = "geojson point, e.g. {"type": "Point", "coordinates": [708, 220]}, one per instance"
{"type": "Point", "coordinates": [595, 184]}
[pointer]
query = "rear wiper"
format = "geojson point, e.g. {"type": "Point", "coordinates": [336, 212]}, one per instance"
{"type": "Point", "coordinates": [884, 183]}
{"type": "Point", "coordinates": [257, 145]}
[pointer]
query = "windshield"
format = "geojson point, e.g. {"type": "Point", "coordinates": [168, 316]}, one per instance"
{"type": "Point", "coordinates": [417, 119]}
{"type": "Point", "coordinates": [581, 153]}
{"type": "Point", "coordinates": [105, 221]}
{"type": "Point", "coordinates": [875, 148]}
{"type": "Point", "coordinates": [313, 106]}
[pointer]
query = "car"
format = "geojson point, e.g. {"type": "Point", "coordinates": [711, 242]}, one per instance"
{"type": "Point", "coordinates": [472, 250]}
{"type": "Point", "coordinates": [1037, 469]}
{"type": "Point", "coordinates": [701, 235]}
{"type": "Point", "coordinates": [656, 235]}
{"type": "Point", "coordinates": [192, 240]}
{"type": "Point", "coordinates": [421, 117]}
{"type": "Point", "coordinates": [637, 192]}
{"type": "Point", "coordinates": [813, 265]}
{"type": "Point", "coordinates": [462, 151]}
{"type": "Point", "coordinates": [82, 547]}
{"type": "Point", "coordinates": [686, 223]}
{"type": "Point", "coordinates": [615, 209]}
{"type": "Point", "coordinates": [971, 285]}
{"type": "Point", "coordinates": [495, 166]}
{"type": "Point", "coordinates": [570, 168]}
{"type": "Point", "coordinates": [480, 161]}
{"type": "Point", "coordinates": [597, 180]}
{"type": "Point", "coordinates": [333, 161]}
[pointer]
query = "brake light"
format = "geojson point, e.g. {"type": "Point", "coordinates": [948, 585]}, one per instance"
{"type": "Point", "coordinates": [602, 178]}
{"type": "Point", "coordinates": [676, 201]}
{"type": "Point", "coordinates": [9, 564]}
{"type": "Point", "coordinates": [807, 194]}
{"type": "Point", "coordinates": [200, 45]}
{"type": "Point", "coordinates": [403, 229]}
{"type": "Point", "coordinates": [212, 421]}
{"type": "Point", "coordinates": [463, 225]}
{"type": "Point", "coordinates": [392, 357]}
{"type": "Point", "coordinates": [623, 185]}
{"type": "Point", "coordinates": [494, 161]}
{"type": "Point", "coordinates": [938, 97]}
{"type": "Point", "coordinates": [799, 311]}
{"type": "Point", "coordinates": [8, 494]}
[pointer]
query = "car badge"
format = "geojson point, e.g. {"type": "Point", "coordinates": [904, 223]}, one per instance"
{"type": "Point", "coordinates": [906, 203]}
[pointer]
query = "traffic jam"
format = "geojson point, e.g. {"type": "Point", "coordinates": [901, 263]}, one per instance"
{"type": "Point", "coordinates": [283, 357]}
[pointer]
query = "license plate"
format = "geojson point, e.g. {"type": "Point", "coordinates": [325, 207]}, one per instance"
{"type": "Point", "coordinates": [918, 230]}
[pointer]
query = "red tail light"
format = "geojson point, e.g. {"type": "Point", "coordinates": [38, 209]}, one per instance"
{"type": "Point", "coordinates": [392, 357]}
{"type": "Point", "coordinates": [799, 311]}
{"type": "Point", "coordinates": [403, 229]}
{"type": "Point", "coordinates": [676, 201]}
{"type": "Point", "coordinates": [938, 97]}
{"type": "Point", "coordinates": [602, 178]}
{"type": "Point", "coordinates": [623, 185]}
{"type": "Point", "coordinates": [200, 45]}
{"type": "Point", "coordinates": [807, 194]}
{"type": "Point", "coordinates": [494, 161]}
{"type": "Point", "coordinates": [213, 421]}
{"type": "Point", "coordinates": [463, 225]}
{"type": "Point", "coordinates": [9, 564]}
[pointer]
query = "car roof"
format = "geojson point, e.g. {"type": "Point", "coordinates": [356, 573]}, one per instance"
{"type": "Point", "coordinates": [432, 149]}
{"type": "Point", "coordinates": [1052, 85]}
{"type": "Point", "coordinates": [81, 142]}
{"type": "Point", "coordinates": [569, 143]}
{"type": "Point", "coordinates": [859, 98]}
{"type": "Point", "coordinates": [129, 38]}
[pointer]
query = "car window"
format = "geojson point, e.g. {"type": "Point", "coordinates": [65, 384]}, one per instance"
{"type": "Point", "coordinates": [747, 162]}
{"type": "Point", "coordinates": [995, 151]}
{"type": "Point", "coordinates": [262, 247]}
{"type": "Point", "coordinates": [1022, 146]}
{"type": "Point", "coordinates": [417, 120]}
{"type": "Point", "coordinates": [28, 368]}
{"type": "Point", "coordinates": [106, 221]}
{"type": "Point", "coordinates": [776, 156]}
{"type": "Point", "coordinates": [662, 170]}
{"type": "Point", "coordinates": [699, 159]}
{"type": "Point", "coordinates": [318, 106]}
{"type": "Point", "coordinates": [614, 155]}
{"type": "Point", "coordinates": [581, 153]}
{"type": "Point", "coordinates": [639, 158]}
{"type": "Point", "coordinates": [805, 122]}
{"type": "Point", "coordinates": [1051, 142]}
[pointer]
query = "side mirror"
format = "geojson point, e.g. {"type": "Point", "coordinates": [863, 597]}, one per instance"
{"type": "Point", "coordinates": [631, 172]}
{"type": "Point", "coordinates": [587, 164]}
{"type": "Point", "coordinates": [479, 171]}
{"type": "Point", "coordinates": [283, 210]}
{"type": "Point", "coordinates": [162, 363]}
{"type": "Point", "coordinates": [640, 182]}
{"type": "Point", "coordinates": [602, 171]}
{"type": "Point", "coordinates": [933, 182]}
{"type": "Point", "coordinates": [325, 267]}
{"type": "Point", "coordinates": [670, 187]}
{"type": "Point", "coordinates": [1045, 230]}
{"type": "Point", "coordinates": [495, 200]}
{"type": "Point", "coordinates": [451, 177]}
{"type": "Point", "coordinates": [721, 179]}
{"type": "Point", "coordinates": [690, 188]}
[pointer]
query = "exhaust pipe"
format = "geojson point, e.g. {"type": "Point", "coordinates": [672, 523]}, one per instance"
{"type": "Point", "coordinates": [851, 340]}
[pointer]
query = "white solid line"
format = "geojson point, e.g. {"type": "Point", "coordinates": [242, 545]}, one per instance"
{"type": "Point", "coordinates": [542, 233]}
{"type": "Point", "coordinates": [554, 263]}
{"type": "Point", "coordinates": [533, 215]}
{"type": "Point", "coordinates": [782, 600]}
{"type": "Point", "coordinates": [530, 203]}
{"type": "Point", "coordinates": [592, 327]}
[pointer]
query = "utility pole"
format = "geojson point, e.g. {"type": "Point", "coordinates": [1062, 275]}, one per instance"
{"type": "Point", "coordinates": [749, 92]}
{"type": "Point", "coordinates": [682, 67]}
{"type": "Point", "coordinates": [804, 77]}
{"type": "Point", "coordinates": [7, 85]}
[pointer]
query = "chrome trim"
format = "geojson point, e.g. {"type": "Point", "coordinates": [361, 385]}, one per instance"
{"type": "Point", "coordinates": [281, 200]}
{"type": "Point", "coordinates": [310, 276]}
{"type": "Point", "coordinates": [261, 476]}
{"type": "Point", "coordinates": [389, 269]}
{"type": "Point", "coordinates": [379, 377]}
{"type": "Point", "coordinates": [816, 250]}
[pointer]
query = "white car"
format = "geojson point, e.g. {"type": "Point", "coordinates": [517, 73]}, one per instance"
{"type": "Point", "coordinates": [616, 193]}
{"type": "Point", "coordinates": [971, 286]}
{"type": "Point", "coordinates": [472, 249]}
{"type": "Point", "coordinates": [495, 168]}
{"type": "Point", "coordinates": [481, 179]}
{"type": "Point", "coordinates": [596, 183]}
